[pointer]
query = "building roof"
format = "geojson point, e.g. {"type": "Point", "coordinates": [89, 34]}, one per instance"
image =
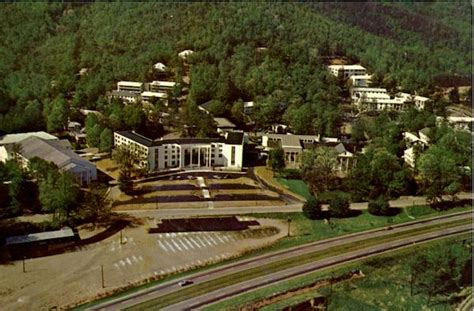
{"type": "Point", "coordinates": [347, 67]}
{"type": "Point", "coordinates": [123, 93]}
{"type": "Point", "coordinates": [369, 89]}
{"type": "Point", "coordinates": [460, 119]}
{"type": "Point", "coordinates": [163, 83]}
{"type": "Point", "coordinates": [367, 77]}
{"type": "Point", "coordinates": [248, 104]}
{"type": "Point", "coordinates": [224, 123]}
{"type": "Point", "coordinates": [185, 53]}
{"type": "Point", "coordinates": [130, 83]}
{"type": "Point", "coordinates": [159, 66]}
{"type": "Point", "coordinates": [65, 232]}
{"type": "Point", "coordinates": [293, 141]}
{"type": "Point", "coordinates": [232, 138]}
{"type": "Point", "coordinates": [140, 139]}
{"type": "Point", "coordinates": [16, 138]}
{"type": "Point", "coordinates": [51, 151]}
{"type": "Point", "coordinates": [154, 94]}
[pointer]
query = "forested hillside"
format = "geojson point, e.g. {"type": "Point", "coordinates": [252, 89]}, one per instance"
{"type": "Point", "coordinates": [268, 53]}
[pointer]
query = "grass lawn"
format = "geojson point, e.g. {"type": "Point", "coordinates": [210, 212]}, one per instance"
{"type": "Point", "coordinates": [304, 230]}
{"type": "Point", "coordinates": [385, 286]}
{"type": "Point", "coordinates": [295, 185]}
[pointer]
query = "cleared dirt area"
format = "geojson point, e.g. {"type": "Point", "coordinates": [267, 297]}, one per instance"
{"type": "Point", "coordinates": [69, 278]}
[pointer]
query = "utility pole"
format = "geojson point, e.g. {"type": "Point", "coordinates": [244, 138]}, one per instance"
{"type": "Point", "coordinates": [102, 274]}
{"type": "Point", "coordinates": [289, 222]}
{"type": "Point", "coordinates": [24, 268]}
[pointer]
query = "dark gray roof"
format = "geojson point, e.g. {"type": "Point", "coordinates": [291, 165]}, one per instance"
{"type": "Point", "coordinates": [51, 151]}
{"type": "Point", "coordinates": [340, 148]}
{"type": "Point", "coordinates": [206, 105]}
{"type": "Point", "coordinates": [233, 138]}
{"type": "Point", "coordinates": [65, 232]}
{"type": "Point", "coordinates": [142, 140]}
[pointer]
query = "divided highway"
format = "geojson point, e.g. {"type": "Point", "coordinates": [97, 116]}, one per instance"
{"type": "Point", "coordinates": [170, 287]}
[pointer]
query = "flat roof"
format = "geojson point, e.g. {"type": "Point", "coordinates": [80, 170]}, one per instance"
{"type": "Point", "coordinates": [223, 122]}
{"type": "Point", "coordinates": [361, 77]}
{"type": "Point", "coordinates": [349, 67]}
{"type": "Point", "coordinates": [18, 137]}
{"type": "Point", "coordinates": [142, 140]}
{"type": "Point", "coordinates": [41, 236]}
{"type": "Point", "coordinates": [123, 93]}
{"type": "Point", "coordinates": [232, 138]}
{"type": "Point", "coordinates": [154, 94]}
{"type": "Point", "coordinates": [130, 83]}
{"type": "Point", "coordinates": [369, 89]}
{"type": "Point", "coordinates": [163, 83]}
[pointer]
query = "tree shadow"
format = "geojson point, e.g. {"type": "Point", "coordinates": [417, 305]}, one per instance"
{"type": "Point", "coordinates": [447, 205]}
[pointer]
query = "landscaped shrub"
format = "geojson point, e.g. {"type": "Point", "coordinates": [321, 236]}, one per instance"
{"type": "Point", "coordinates": [290, 173]}
{"type": "Point", "coordinates": [312, 208]}
{"type": "Point", "coordinates": [379, 207]}
{"type": "Point", "coordinates": [339, 205]}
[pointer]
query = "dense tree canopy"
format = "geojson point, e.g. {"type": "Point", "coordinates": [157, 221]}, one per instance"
{"type": "Point", "coordinates": [273, 54]}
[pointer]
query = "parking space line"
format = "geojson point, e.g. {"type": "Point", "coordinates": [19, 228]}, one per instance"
{"type": "Point", "coordinates": [195, 243]}
{"type": "Point", "coordinates": [203, 244]}
{"type": "Point", "coordinates": [219, 238]}
{"type": "Point", "coordinates": [209, 237]}
{"type": "Point", "coordinates": [176, 245]}
{"type": "Point", "coordinates": [188, 242]}
{"type": "Point", "coordinates": [163, 246]}
{"type": "Point", "coordinates": [170, 246]}
{"type": "Point", "coordinates": [184, 245]}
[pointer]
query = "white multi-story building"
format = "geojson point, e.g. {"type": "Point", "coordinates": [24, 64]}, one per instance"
{"type": "Point", "coordinates": [378, 99]}
{"type": "Point", "coordinates": [418, 101]}
{"type": "Point", "coordinates": [130, 86]}
{"type": "Point", "coordinates": [161, 86]}
{"type": "Point", "coordinates": [148, 96]}
{"type": "Point", "coordinates": [360, 81]}
{"type": "Point", "coordinates": [184, 153]}
{"type": "Point", "coordinates": [347, 70]}
{"type": "Point", "coordinates": [126, 96]}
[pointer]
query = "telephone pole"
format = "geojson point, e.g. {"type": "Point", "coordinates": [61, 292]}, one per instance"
{"type": "Point", "coordinates": [102, 275]}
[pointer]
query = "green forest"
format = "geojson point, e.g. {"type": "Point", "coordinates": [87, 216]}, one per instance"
{"type": "Point", "coordinates": [273, 54]}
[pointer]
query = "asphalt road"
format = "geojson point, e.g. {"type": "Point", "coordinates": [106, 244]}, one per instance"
{"type": "Point", "coordinates": [189, 212]}
{"type": "Point", "coordinates": [279, 276]}
{"type": "Point", "coordinates": [169, 287]}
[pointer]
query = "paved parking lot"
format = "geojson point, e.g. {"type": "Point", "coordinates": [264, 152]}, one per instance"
{"type": "Point", "coordinates": [62, 279]}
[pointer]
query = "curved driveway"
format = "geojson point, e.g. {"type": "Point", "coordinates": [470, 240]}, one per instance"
{"type": "Point", "coordinates": [169, 287]}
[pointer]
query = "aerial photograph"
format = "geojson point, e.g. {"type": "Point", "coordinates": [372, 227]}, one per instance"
{"type": "Point", "coordinates": [236, 156]}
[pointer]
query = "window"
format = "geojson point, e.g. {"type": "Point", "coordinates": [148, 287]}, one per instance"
{"type": "Point", "coordinates": [232, 156]}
